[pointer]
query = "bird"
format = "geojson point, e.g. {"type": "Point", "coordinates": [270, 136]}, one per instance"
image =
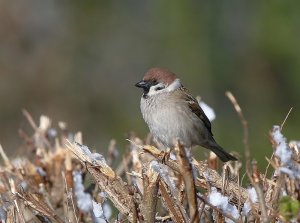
{"type": "Point", "coordinates": [172, 113]}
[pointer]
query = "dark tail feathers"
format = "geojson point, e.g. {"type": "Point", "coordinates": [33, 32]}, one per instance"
{"type": "Point", "coordinates": [220, 152]}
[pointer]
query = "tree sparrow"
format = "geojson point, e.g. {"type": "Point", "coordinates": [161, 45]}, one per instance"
{"type": "Point", "coordinates": [171, 113]}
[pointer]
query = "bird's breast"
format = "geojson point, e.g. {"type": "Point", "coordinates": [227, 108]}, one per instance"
{"type": "Point", "coordinates": [169, 120]}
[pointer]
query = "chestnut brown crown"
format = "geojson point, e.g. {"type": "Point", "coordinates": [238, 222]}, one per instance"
{"type": "Point", "coordinates": [159, 75]}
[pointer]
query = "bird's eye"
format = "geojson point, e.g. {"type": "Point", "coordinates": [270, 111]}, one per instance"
{"type": "Point", "coordinates": [159, 88]}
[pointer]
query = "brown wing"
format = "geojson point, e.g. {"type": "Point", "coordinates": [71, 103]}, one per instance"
{"type": "Point", "coordinates": [196, 109]}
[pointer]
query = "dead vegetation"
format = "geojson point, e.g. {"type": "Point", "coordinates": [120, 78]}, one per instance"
{"type": "Point", "coordinates": [61, 180]}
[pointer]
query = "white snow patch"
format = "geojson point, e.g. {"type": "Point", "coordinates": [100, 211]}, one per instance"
{"type": "Point", "coordinates": [84, 200]}
{"type": "Point", "coordinates": [252, 198]}
{"type": "Point", "coordinates": [163, 172]}
{"type": "Point", "coordinates": [282, 150]}
{"type": "Point", "coordinates": [209, 112]}
{"type": "Point", "coordinates": [222, 202]}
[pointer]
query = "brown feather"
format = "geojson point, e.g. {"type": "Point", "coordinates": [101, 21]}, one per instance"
{"type": "Point", "coordinates": [160, 75]}
{"type": "Point", "coordinates": [196, 109]}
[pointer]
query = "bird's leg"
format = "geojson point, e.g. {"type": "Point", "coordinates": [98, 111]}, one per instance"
{"type": "Point", "coordinates": [167, 154]}
{"type": "Point", "coordinates": [188, 151]}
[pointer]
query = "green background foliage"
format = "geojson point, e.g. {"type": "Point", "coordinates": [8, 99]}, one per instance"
{"type": "Point", "coordinates": [78, 61]}
{"type": "Point", "coordinates": [289, 208]}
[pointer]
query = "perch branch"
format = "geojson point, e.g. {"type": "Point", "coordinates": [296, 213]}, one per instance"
{"type": "Point", "coordinates": [150, 181]}
{"type": "Point", "coordinates": [190, 189]}
{"type": "Point", "coordinates": [212, 176]}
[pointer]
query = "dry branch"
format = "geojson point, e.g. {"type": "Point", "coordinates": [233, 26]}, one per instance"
{"type": "Point", "coordinates": [253, 176]}
{"type": "Point", "coordinates": [117, 190]}
{"type": "Point", "coordinates": [187, 174]}
{"type": "Point", "coordinates": [212, 177]}
{"type": "Point", "coordinates": [174, 211]}
{"type": "Point", "coordinates": [156, 188]}
{"type": "Point", "coordinates": [150, 180]}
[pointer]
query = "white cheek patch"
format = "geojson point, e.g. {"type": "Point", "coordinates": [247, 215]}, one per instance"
{"type": "Point", "coordinates": [174, 86]}
{"type": "Point", "coordinates": [152, 90]}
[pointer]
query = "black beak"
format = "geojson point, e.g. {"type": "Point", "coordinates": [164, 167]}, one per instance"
{"type": "Point", "coordinates": [145, 85]}
{"type": "Point", "coordinates": [142, 84]}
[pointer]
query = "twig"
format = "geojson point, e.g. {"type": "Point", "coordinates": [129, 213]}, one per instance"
{"type": "Point", "coordinates": [286, 117]}
{"type": "Point", "coordinates": [111, 152]}
{"type": "Point", "coordinates": [162, 219]}
{"type": "Point", "coordinates": [190, 189]}
{"type": "Point", "coordinates": [38, 205]}
{"type": "Point", "coordinates": [239, 198]}
{"type": "Point", "coordinates": [134, 211]}
{"type": "Point", "coordinates": [215, 179]}
{"type": "Point", "coordinates": [5, 158]}
{"type": "Point", "coordinates": [69, 196]}
{"type": "Point", "coordinates": [30, 119]}
{"type": "Point", "coordinates": [277, 190]}
{"type": "Point", "coordinates": [174, 211]}
{"type": "Point", "coordinates": [108, 181]}
{"type": "Point", "coordinates": [158, 154]}
{"type": "Point", "coordinates": [201, 209]}
{"type": "Point", "coordinates": [224, 177]}
{"type": "Point", "coordinates": [267, 168]}
{"type": "Point", "coordinates": [245, 127]}
{"type": "Point", "coordinates": [20, 214]}
{"type": "Point", "coordinates": [123, 166]}
{"type": "Point", "coordinates": [35, 127]}
{"type": "Point", "coordinates": [150, 183]}
{"type": "Point", "coordinates": [13, 190]}
{"type": "Point", "coordinates": [218, 209]}
{"type": "Point", "coordinates": [116, 190]}
{"type": "Point", "coordinates": [255, 181]}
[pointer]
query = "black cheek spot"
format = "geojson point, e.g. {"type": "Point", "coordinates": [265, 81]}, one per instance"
{"type": "Point", "coordinates": [146, 89]}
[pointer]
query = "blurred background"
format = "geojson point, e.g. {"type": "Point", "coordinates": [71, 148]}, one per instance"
{"type": "Point", "coordinates": [78, 61]}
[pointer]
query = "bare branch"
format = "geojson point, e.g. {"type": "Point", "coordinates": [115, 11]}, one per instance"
{"type": "Point", "coordinates": [245, 127]}
{"type": "Point", "coordinates": [5, 158]}
{"type": "Point", "coordinates": [174, 210]}
{"type": "Point", "coordinates": [217, 209]}
{"type": "Point", "coordinates": [187, 174]}
{"type": "Point", "coordinates": [108, 181]}
{"type": "Point", "coordinates": [214, 178]}
{"type": "Point", "coordinates": [286, 117]}
{"type": "Point", "coordinates": [255, 181]}
{"type": "Point", "coordinates": [150, 181]}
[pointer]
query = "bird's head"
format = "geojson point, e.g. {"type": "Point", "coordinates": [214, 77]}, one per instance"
{"type": "Point", "coordinates": [158, 80]}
